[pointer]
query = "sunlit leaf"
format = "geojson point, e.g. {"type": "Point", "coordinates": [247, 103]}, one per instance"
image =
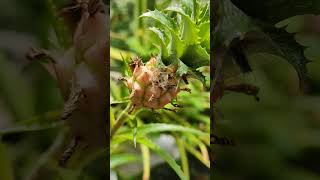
{"type": "Point", "coordinates": [161, 127]}
{"type": "Point", "coordinates": [190, 30]}
{"type": "Point", "coordinates": [124, 158]}
{"type": "Point", "coordinates": [164, 19]}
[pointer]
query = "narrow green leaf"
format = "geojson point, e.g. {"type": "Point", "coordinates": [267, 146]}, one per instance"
{"type": "Point", "coordinates": [146, 161]}
{"type": "Point", "coordinates": [197, 154]}
{"type": "Point", "coordinates": [30, 128]}
{"type": "Point", "coordinates": [154, 147]}
{"type": "Point", "coordinates": [164, 155]}
{"type": "Point", "coordinates": [162, 127]}
{"type": "Point", "coordinates": [120, 159]}
{"type": "Point", "coordinates": [126, 62]}
{"type": "Point", "coordinates": [183, 156]}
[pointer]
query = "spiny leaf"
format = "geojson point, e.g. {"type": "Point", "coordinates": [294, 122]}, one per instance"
{"type": "Point", "coordinates": [273, 11]}
{"type": "Point", "coordinates": [188, 7]}
{"type": "Point", "coordinates": [182, 69]}
{"type": "Point", "coordinates": [292, 52]}
{"type": "Point", "coordinates": [190, 31]}
{"type": "Point", "coordinates": [195, 56]}
{"type": "Point", "coordinates": [204, 33]}
{"type": "Point", "coordinates": [164, 19]}
{"type": "Point", "coordinates": [176, 47]}
{"type": "Point", "coordinates": [161, 39]}
{"type": "Point", "coordinates": [198, 75]}
{"type": "Point", "coordinates": [193, 73]}
{"type": "Point", "coordinates": [204, 14]}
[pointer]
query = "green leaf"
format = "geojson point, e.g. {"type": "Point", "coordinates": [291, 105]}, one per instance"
{"type": "Point", "coordinates": [31, 128]}
{"type": "Point", "coordinates": [176, 47]}
{"type": "Point", "coordinates": [204, 13]}
{"type": "Point", "coordinates": [204, 33]}
{"type": "Point", "coordinates": [192, 150]}
{"type": "Point", "coordinates": [183, 156]}
{"type": "Point", "coordinates": [279, 43]}
{"type": "Point", "coordinates": [146, 161]}
{"type": "Point", "coordinates": [193, 73]}
{"type": "Point", "coordinates": [293, 24]}
{"type": "Point", "coordinates": [292, 52]}
{"type": "Point", "coordinates": [199, 76]}
{"type": "Point", "coordinates": [154, 147]}
{"type": "Point", "coordinates": [188, 7]}
{"type": "Point", "coordinates": [195, 56]}
{"type": "Point", "coordinates": [162, 127]}
{"type": "Point", "coordinates": [164, 19]}
{"type": "Point", "coordinates": [182, 69]}
{"type": "Point", "coordinates": [161, 39]}
{"type": "Point", "coordinates": [190, 31]}
{"type": "Point", "coordinates": [173, 164]}
{"type": "Point", "coordinates": [124, 158]}
{"type": "Point", "coordinates": [126, 62]}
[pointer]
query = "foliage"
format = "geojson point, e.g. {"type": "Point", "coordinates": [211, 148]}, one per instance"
{"type": "Point", "coordinates": [178, 33]}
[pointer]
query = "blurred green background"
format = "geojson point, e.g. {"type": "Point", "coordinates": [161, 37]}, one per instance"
{"type": "Point", "coordinates": [279, 136]}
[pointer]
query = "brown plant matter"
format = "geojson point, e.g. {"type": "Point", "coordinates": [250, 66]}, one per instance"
{"type": "Point", "coordinates": [151, 86]}
{"type": "Point", "coordinates": [81, 73]}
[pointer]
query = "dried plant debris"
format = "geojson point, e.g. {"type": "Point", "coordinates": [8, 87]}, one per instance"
{"type": "Point", "coordinates": [81, 73]}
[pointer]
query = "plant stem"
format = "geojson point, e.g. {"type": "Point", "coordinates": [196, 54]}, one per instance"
{"type": "Point", "coordinates": [121, 119]}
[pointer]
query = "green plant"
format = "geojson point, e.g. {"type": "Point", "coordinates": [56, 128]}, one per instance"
{"type": "Point", "coordinates": [180, 34]}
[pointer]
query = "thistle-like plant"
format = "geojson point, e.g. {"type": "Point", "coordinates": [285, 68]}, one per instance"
{"type": "Point", "coordinates": [181, 33]}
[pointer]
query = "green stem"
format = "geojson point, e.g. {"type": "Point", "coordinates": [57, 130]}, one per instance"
{"type": "Point", "coordinates": [184, 158]}
{"type": "Point", "coordinates": [121, 119]}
